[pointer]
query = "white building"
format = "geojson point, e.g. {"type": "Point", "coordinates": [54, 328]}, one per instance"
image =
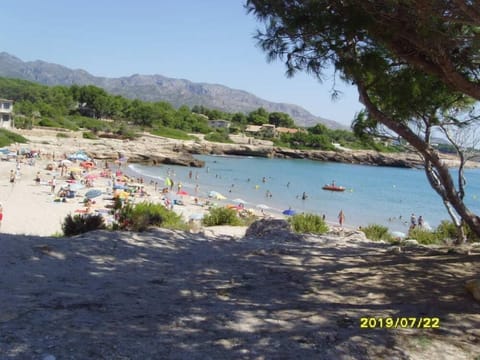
{"type": "Point", "coordinates": [6, 113]}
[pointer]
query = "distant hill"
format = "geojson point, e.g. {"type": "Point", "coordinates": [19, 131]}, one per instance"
{"type": "Point", "coordinates": [156, 88]}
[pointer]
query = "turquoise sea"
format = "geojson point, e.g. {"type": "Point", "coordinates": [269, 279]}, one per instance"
{"type": "Point", "coordinates": [379, 195]}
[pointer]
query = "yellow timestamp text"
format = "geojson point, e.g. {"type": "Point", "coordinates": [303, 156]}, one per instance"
{"type": "Point", "coordinates": [399, 323]}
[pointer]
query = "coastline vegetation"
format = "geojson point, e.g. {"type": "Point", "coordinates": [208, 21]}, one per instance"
{"type": "Point", "coordinates": [228, 216]}
{"type": "Point", "coordinates": [444, 233]}
{"type": "Point", "coordinates": [100, 114]}
{"type": "Point", "coordinates": [80, 223]}
{"type": "Point", "coordinates": [308, 223]}
{"type": "Point", "coordinates": [8, 137]}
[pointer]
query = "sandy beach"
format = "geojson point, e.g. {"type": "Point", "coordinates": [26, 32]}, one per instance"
{"type": "Point", "coordinates": [32, 209]}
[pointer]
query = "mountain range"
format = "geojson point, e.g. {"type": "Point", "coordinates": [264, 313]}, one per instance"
{"type": "Point", "coordinates": [178, 92]}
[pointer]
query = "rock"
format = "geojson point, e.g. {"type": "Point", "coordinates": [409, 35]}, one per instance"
{"type": "Point", "coordinates": [394, 250]}
{"type": "Point", "coordinates": [473, 286]}
{"type": "Point", "coordinates": [410, 242]}
{"type": "Point", "coordinates": [277, 229]}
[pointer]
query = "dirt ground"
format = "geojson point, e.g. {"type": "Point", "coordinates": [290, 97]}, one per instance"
{"type": "Point", "coordinates": [174, 295]}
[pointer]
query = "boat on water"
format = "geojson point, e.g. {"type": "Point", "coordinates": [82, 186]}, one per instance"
{"type": "Point", "coordinates": [333, 188]}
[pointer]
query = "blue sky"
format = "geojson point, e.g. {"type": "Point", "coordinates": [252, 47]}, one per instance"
{"type": "Point", "coordinates": [207, 41]}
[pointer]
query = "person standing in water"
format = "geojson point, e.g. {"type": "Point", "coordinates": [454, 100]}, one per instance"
{"type": "Point", "coordinates": [341, 218]}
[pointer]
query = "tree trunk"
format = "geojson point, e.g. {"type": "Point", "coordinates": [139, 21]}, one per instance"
{"type": "Point", "coordinates": [461, 237]}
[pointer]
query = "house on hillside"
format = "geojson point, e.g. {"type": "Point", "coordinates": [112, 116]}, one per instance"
{"type": "Point", "coordinates": [270, 130]}
{"type": "Point", "coordinates": [6, 113]}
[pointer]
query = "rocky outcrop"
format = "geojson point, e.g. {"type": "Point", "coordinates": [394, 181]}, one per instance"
{"type": "Point", "coordinates": [277, 229]}
{"type": "Point", "coordinates": [155, 150]}
{"type": "Point", "coordinates": [363, 157]}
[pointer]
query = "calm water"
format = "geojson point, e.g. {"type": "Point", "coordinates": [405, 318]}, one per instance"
{"type": "Point", "coordinates": [378, 195]}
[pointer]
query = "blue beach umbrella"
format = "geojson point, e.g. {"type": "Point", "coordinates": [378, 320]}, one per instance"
{"type": "Point", "coordinates": [91, 194]}
{"type": "Point", "coordinates": [289, 212]}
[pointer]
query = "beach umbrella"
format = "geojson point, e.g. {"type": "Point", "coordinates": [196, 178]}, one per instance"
{"type": "Point", "coordinates": [75, 169]}
{"type": "Point", "coordinates": [87, 164]}
{"type": "Point", "coordinates": [182, 192]}
{"type": "Point", "coordinates": [289, 212]}
{"type": "Point", "coordinates": [216, 195]}
{"type": "Point", "coordinates": [90, 176]}
{"type": "Point", "coordinates": [66, 162]}
{"type": "Point", "coordinates": [263, 206]}
{"type": "Point", "coordinates": [119, 187]}
{"type": "Point", "coordinates": [121, 194]}
{"type": "Point", "coordinates": [78, 156]}
{"type": "Point", "coordinates": [91, 194]}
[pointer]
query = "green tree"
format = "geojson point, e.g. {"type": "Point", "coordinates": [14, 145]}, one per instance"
{"type": "Point", "coordinates": [258, 117]}
{"type": "Point", "coordinates": [281, 119]}
{"type": "Point", "coordinates": [413, 64]}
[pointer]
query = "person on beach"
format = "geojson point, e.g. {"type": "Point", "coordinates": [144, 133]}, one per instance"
{"type": "Point", "coordinates": [420, 221]}
{"type": "Point", "coordinates": [413, 221]}
{"type": "Point", "coordinates": [12, 177]}
{"type": "Point", "coordinates": [304, 196]}
{"type": "Point", "coordinates": [1, 215]}
{"type": "Point", "coordinates": [37, 178]}
{"type": "Point", "coordinates": [341, 218]}
{"type": "Point", "coordinates": [53, 184]}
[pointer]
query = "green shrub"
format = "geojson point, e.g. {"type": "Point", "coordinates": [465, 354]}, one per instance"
{"type": "Point", "coordinates": [62, 135]}
{"type": "Point", "coordinates": [425, 237]}
{"type": "Point", "coordinates": [8, 137]}
{"type": "Point", "coordinates": [89, 135]}
{"type": "Point", "coordinates": [308, 223]}
{"type": "Point", "coordinates": [218, 136]}
{"type": "Point", "coordinates": [49, 122]}
{"type": "Point", "coordinates": [448, 231]}
{"type": "Point", "coordinates": [377, 232]}
{"type": "Point", "coordinates": [80, 223]}
{"type": "Point", "coordinates": [222, 216]}
{"type": "Point", "coordinates": [172, 133]}
{"type": "Point", "coordinates": [141, 216]}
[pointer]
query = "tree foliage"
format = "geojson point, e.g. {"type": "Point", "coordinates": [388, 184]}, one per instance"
{"type": "Point", "coordinates": [415, 65]}
{"type": "Point", "coordinates": [86, 107]}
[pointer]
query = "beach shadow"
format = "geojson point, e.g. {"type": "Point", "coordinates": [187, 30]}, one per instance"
{"type": "Point", "coordinates": [175, 295]}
